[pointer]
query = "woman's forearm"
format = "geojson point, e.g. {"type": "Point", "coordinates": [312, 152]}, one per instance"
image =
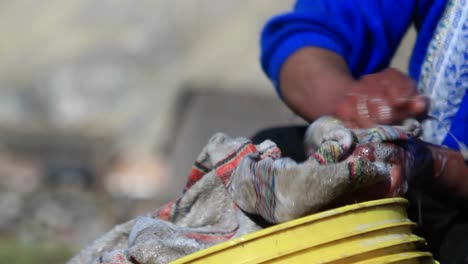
{"type": "Point", "coordinates": [450, 169]}
{"type": "Point", "coordinates": [313, 81]}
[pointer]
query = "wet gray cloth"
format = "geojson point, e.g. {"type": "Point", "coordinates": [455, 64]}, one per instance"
{"type": "Point", "coordinates": [232, 178]}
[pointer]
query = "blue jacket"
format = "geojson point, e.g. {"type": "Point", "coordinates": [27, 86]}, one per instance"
{"type": "Point", "coordinates": [366, 33]}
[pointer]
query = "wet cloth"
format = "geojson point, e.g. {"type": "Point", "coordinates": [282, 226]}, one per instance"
{"type": "Point", "coordinates": [441, 215]}
{"type": "Point", "coordinates": [233, 179]}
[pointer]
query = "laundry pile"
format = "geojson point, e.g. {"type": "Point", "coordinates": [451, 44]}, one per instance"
{"type": "Point", "coordinates": [235, 188]}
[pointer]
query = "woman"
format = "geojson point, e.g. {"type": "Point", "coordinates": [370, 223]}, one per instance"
{"type": "Point", "coordinates": [331, 57]}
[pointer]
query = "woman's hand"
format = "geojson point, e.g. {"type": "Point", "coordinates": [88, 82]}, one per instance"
{"type": "Point", "coordinates": [387, 97]}
{"type": "Point", "coordinates": [415, 161]}
{"type": "Point", "coordinates": [315, 82]}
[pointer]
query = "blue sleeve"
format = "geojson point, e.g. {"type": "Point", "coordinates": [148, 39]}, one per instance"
{"type": "Point", "coordinates": [366, 33]}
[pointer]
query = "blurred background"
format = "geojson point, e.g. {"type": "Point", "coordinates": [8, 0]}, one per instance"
{"type": "Point", "coordinates": [105, 104]}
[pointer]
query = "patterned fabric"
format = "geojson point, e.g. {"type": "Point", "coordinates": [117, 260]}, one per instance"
{"type": "Point", "coordinates": [232, 178]}
{"type": "Point", "coordinates": [203, 215]}
{"type": "Point", "coordinates": [444, 77]}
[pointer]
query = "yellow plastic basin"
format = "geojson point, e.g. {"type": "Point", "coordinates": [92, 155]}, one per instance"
{"type": "Point", "coordinates": [350, 234]}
